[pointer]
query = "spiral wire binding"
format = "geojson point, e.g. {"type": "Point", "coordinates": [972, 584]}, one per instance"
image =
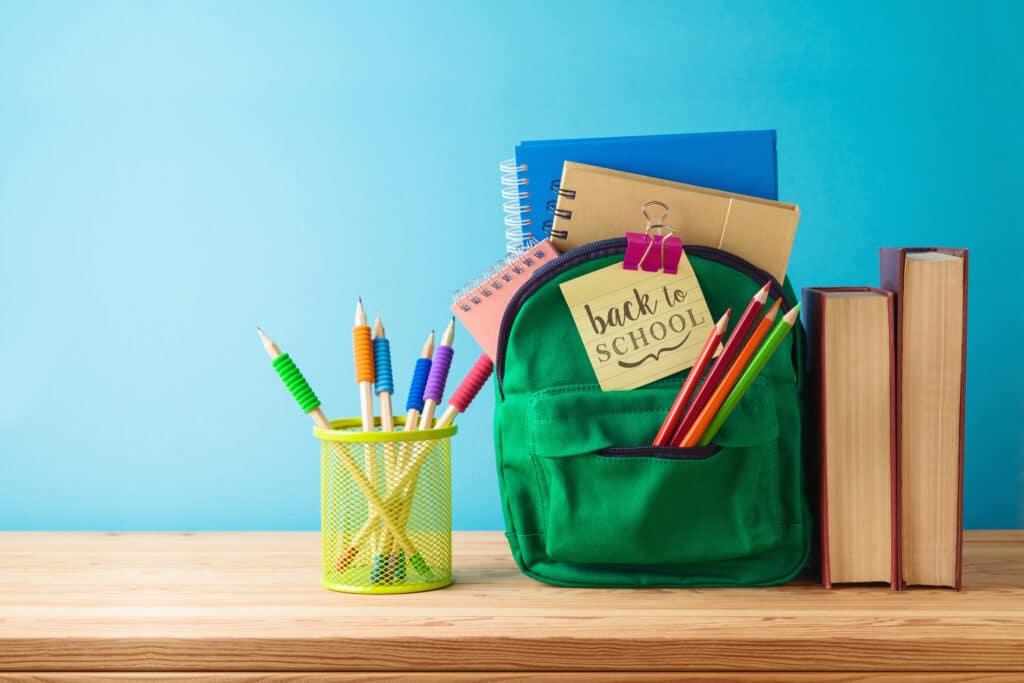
{"type": "Point", "coordinates": [556, 187]}
{"type": "Point", "coordinates": [514, 205]}
{"type": "Point", "coordinates": [548, 228]}
{"type": "Point", "coordinates": [496, 276]}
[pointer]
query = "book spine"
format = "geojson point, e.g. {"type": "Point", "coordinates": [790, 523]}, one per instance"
{"type": "Point", "coordinates": [890, 262]}
{"type": "Point", "coordinates": [813, 320]}
{"type": "Point", "coordinates": [894, 450]}
{"type": "Point", "coordinates": [515, 197]}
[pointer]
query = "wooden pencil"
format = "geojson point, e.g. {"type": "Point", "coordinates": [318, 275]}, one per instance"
{"type": "Point", "coordinates": [383, 386]}
{"type": "Point", "coordinates": [274, 351]}
{"type": "Point", "coordinates": [362, 349]}
{"type": "Point", "coordinates": [387, 419]}
{"type": "Point", "coordinates": [414, 403]}
{"type": "Point", "coordinates": [438, 376]}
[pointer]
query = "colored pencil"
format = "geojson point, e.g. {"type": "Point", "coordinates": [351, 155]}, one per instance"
{"type": "Point", "coordinates": [438, 376]}
{"type": "Point", "coordinates": [707, 413]}
{"type": "Point", "coordinates": [757, 364]}
{"type": "Point", "coordinates": [668, 427]}
{"type": "Point", "coordinates": [721, 364]}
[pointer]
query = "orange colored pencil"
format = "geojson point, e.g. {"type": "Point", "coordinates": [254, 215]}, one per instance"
{"type": "Point", "coordinates": [729, 381]}
{"type": "Point", "coordinates": [732, 346]}
{"type": "Point", "coordinates": [699, 366]}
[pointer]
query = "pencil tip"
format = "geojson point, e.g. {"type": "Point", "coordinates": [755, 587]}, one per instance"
{"type": "Point", "coordinates": [449, 333]}
{"type": "Point", "coordinates": [791, 315]}
{"type": "Point", "coordinates": [360, 312]}
{"type": "Point", "coordinates": [723, 321]}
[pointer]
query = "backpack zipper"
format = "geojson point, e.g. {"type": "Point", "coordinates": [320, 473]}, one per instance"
{"type": "Point", "coordinates": [662, 452]}
{"type": "Point", "coordinates": [612, 247]}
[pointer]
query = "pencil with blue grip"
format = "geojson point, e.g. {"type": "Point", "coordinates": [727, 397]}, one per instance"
{"type": "Point", "coordinates": [414, 404]}
{"type": "Point", "coordinates": [383, 386]}
{"type": "Point", "coordinates": [413, 407]}
{"type": "Point", "coordinates": [310, 404]}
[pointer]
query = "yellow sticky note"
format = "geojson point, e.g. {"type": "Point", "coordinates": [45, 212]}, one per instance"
{"type": "Point", "coordinates": [638, 327]}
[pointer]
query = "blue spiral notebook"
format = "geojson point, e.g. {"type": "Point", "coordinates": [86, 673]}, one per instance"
{"type": "Point", "coordinates": [743, 162]}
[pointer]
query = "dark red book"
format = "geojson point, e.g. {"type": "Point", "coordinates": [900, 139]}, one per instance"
{"type": "Point", "coordinates": [852, 374]}
{"type": "Point", "coordinates": [930, 285]}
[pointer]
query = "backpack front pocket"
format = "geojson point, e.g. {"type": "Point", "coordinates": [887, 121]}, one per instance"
{"type": "Point", "coordinates": [609, 499]}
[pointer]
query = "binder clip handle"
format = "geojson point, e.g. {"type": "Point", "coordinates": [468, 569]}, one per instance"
{"type": "Point", "coordinates": [656, 248]}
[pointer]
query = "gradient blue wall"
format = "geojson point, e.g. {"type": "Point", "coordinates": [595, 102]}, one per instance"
{"type": "Point", "coordinates": [173, 174]}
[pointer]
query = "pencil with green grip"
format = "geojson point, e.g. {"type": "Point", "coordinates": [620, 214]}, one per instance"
{"type": "Point", "coordinates": [310, 404]}
{"type": "Point", "coordinates": [757, 363]}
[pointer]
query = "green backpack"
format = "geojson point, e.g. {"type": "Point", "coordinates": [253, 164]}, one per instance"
{"type": "Point", "coordinates": [588, 502]}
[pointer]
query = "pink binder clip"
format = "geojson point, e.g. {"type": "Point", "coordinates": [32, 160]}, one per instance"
{"type": "Point", "coordinates": [652, 251]}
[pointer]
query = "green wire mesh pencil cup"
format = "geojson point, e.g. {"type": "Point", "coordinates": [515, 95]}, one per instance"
{"type": "Point", "coordinates": [386, 522]}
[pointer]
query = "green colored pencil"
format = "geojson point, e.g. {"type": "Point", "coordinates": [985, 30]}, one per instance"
{"type": "Point", "coordinates": [757, 363]}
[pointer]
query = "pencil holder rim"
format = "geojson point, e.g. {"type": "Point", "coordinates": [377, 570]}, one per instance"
{"type": "Point", "coordinates": [349, 436]}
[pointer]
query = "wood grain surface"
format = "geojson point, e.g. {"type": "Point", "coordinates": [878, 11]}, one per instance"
{"type": "Point", "coordinates": [251, 602]}
{"type": "Point", "coordinates": [509, 677]}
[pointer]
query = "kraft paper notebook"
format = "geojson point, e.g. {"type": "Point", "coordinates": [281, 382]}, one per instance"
{"type": "Point", "coordinates": [597, 203]}
{"type": "Point", "coordinates": [931, 351]}
{"type": "Point", "coordinates": [744, 162]}
{"type": "Point", "coordinates": [853, 377]}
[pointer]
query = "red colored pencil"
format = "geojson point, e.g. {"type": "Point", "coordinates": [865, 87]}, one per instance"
{"type": "Point", "coordinates": [699, 366]}
{"type": "Point", "coordinates": [722, 363]}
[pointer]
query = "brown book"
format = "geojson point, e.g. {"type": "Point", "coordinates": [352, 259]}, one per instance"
{"type": "Point", "coordinates": [852, 360]}
{"type": "Point", "coordinates": [931, 344]}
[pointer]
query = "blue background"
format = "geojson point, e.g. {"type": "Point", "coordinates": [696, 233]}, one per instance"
{"type": "Point", "coordinates": [173, 174]}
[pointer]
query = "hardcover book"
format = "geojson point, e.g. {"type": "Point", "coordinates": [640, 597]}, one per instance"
{"type": "Point", "coordinates": [931, 343]}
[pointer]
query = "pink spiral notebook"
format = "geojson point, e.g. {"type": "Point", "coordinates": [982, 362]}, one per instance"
{"type": "Point", "coordinates": [481, 304]}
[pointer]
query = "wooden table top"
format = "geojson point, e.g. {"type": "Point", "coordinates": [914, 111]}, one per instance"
{"type": "Point", "coordinates": [252, 602]}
